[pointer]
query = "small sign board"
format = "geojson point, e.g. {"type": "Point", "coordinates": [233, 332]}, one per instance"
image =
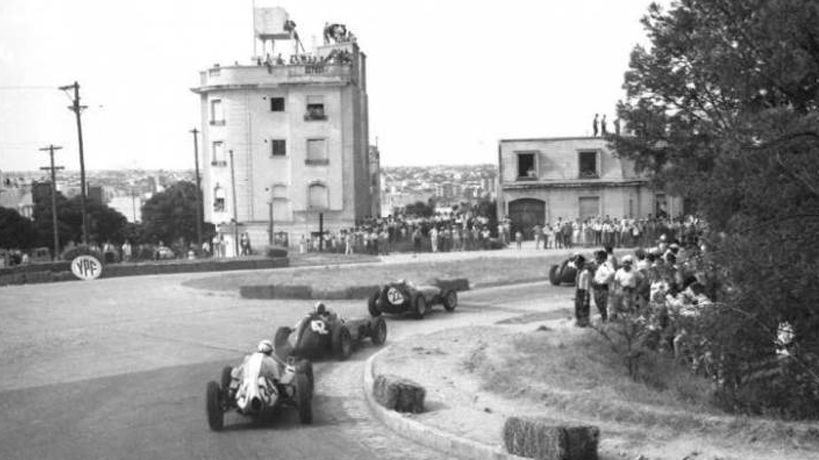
{"type": "Point", "coordinates": [86, 267]}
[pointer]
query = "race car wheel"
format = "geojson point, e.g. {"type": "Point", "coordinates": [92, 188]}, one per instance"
{"type": "Point", "coordinates": [371, 304]}
{"type": "Point", "coordinates": [304, 399]}
{"type": "Point", "coordinates": [420, 307]}
{"type": "Point", "coordinates": [451, 300]}
{"type": "Point", "coordinates": [554, 276]}
{"type": "Point", "coordinates": [379, 331]}
{"type": "Point", "coordinates": [306, 367]}
{"type": "Point", "coordinates": [216, 415]}
{"type": "Point", "coordinates": [226, 378]}
{"type": "Point", "coordinates": [342, 343]}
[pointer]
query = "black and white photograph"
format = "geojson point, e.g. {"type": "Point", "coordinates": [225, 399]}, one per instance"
{"type": "Point", "coordinates": [348, 229]}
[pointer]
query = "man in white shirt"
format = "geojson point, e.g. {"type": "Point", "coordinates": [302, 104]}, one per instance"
{"type": "Point", "coordinates": [582, 294]}
{"type": "Point", "coordinates": [625, 285]}
{"type": "Point", "coordinates": [603, 276]}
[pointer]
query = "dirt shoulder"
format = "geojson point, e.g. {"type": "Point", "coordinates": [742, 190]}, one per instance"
{"type": "Point", "coordinates": [477, 376]}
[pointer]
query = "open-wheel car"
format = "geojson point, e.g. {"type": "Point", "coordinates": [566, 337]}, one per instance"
{"type": "Point", "coordinates": [323, 332]}
{"type": "Point", "coordinates": [261, 385]}
{"type": "Point", "coordinates": [563, 273]}
{"type": "Point", "coordinates": [402, 296]}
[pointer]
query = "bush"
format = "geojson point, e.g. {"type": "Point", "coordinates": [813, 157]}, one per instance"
{"type": "Point", "coordinates": [72, 253]}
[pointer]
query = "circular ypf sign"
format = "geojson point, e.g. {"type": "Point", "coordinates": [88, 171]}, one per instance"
{"type": "Point", "coordinates": [86, 267]}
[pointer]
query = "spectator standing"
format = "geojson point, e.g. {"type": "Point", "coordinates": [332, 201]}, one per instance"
{"type": "Point", "coordinates": [519, 239]}
{"type": "Point", "coordinates": [603, 276]}
{"type": "Point", "coordinates": [581, 295]}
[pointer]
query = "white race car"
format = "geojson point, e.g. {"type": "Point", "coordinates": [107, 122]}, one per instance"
{"type": "Point", "coordinates": [262, 383]}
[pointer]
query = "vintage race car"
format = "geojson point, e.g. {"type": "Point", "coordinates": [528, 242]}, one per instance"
{"type": "Point", "coordinates": [563, 273]}
{"type": "Point", "coordinates": [402, 296]}
{"type": "Point", "coordinates": [245, 390]}
{"type": "Point", "coordinates": [318, 335]}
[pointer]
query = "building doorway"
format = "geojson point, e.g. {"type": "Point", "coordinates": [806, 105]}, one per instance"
{"type": "Point", "coordinates": [525, 213]}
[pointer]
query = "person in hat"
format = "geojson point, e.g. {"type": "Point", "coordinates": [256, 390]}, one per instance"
{"type": "Point", "coordinates": [626, 280]}
{"type": "Point", "coordinates": [582, 299]}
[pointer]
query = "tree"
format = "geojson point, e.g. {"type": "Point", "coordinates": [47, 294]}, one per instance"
{"type": "Point", "coordinates": [722, 109]}
{"type": "Point", "coordinates": [171, 215]}
{"type": "Point", "coordinates": [420, 209]}
{"type": "Point", "coordinates": [105, 224]}
{"type": "Point", "coordinates": [16, 231]}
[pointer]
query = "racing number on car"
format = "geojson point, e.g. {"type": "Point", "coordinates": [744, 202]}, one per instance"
{"type": "Point", "coordinates": [319, 326]}
{"type": "Point", "coordinates": [395, 297]}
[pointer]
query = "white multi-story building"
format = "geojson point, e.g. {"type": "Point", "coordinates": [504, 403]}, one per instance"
{"type": "Point", "coordinates": [285, 139]}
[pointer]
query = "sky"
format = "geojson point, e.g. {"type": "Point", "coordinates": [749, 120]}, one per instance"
{"type": "Point", "coordinates": [446, 79]}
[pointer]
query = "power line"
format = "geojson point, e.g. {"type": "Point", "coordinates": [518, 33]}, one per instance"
{"type": "Point", "coordinates": [14, 88]}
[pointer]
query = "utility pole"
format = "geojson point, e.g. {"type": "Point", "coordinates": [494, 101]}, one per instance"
{"type": "Point", "coordinates": [195, 133]}
{"type": "Point", "coordinates": [235, 213]}
{"type": "Point", "coordinates": [77, 109]}
{"type": "Point", "coordinates": [51, 148]}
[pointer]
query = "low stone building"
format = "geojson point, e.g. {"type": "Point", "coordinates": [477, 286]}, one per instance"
{"type": "Point", "coordinates": [541, 180]}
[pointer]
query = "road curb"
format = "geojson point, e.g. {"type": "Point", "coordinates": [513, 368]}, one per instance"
{"type": "Point", "coordinates": [447, 443]}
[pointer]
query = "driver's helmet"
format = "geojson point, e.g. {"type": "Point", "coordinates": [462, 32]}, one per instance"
{"type": "Point", "coordinates": [320, 308]}
{"type": "Point", "coordinates": [266, 347]}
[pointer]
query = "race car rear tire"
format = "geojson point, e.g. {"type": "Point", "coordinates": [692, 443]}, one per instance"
{"type": "Point", "coordinates": [450, 300]}
{"type": "Point", "coordinates": [371, 304]}
{"type": "Point", "coordinates": [379, 331]}
{"type": "Point", "coordinates": [420, 307]}
{"type": "Point", "coordinates": [304, 399]}
{"type": "Point", "coordinates": [216, 415]}
{"type": "Point", "coordinates": [554, 276]}
{"type": "Point", "coordinates": [342, 343]}
{"type": "Point", "coordinates": [227, 377]}
{"type": "Point", "coordinates": [306, 367]}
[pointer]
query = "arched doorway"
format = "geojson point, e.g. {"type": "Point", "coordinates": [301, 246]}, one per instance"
{"type": "Point", "coordinates": [525, 213]}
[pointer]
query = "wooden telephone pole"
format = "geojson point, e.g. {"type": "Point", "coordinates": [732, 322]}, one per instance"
{"type": "Point", "coordinates": [51, 148]}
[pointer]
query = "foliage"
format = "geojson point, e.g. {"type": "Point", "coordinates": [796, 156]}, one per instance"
{"type": "Point", "coordinates": [104, 223]}
{"type": "Point", "coordinates": [170, 216]}
{"type": "Point", "coordinates": [16, 231]}
{"type": "Point", "coordinates": [722, 109]}
{"type": "Point", "coordinates": [420, 209]}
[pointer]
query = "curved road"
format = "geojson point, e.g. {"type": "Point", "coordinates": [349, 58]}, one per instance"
{"type": "Point", "coordinates": [117, 368]}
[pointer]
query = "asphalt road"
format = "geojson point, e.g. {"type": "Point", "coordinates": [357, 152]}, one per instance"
{"type": "Point", "coordinates": [116, 368]}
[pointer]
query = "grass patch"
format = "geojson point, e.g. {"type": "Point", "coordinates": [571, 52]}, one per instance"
{"type": "Point", "coordinates": [576, 372]}
{"type": "Point", "coordinates": [478, 270]}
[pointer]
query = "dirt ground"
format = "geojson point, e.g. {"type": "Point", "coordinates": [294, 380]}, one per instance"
{"type": "Point", "coordinates": [463, 371]}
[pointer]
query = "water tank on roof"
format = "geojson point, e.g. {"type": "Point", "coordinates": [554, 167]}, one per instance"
{"type": "Point", "coordinates": [269, 23]}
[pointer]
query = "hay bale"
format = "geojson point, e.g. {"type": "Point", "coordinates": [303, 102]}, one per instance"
{"type": "Point", "coordinates": [542, 439]}
{"type": "Point", "coordinates": [399, 394]}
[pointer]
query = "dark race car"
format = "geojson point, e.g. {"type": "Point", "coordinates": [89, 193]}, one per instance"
{"type": "Point", "coordinates": [563, 273]}
{"type": "Point", "coordinates": [322, 333]}
{"type": "Point", "coordinates": [260, 385]}
{"type": "Point", "coordinates": [402, 296]}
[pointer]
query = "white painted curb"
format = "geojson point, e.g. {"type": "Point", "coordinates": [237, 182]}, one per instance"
{"type": "Point", "coordinates": [447, 443]}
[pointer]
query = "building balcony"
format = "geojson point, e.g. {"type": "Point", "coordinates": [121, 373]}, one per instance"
{"type": "Point", "coordinates": [250, 76]}
{"type": "Point", "coordinates": [217, 122]}
{"type": "Point", "coordinates": [218, 163]}
{"type": "Point", "coordinates": [317, 162]}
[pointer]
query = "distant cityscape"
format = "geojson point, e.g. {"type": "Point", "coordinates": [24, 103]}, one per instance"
{"type": "Point", "coordinates": [127, 190]}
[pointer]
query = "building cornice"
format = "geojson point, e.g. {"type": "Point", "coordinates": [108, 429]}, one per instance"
{"type": "Point", "coordinates": [545, 185]}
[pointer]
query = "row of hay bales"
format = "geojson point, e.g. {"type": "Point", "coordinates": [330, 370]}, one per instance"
{"type": "Point", "coordinates": [303, 291]}
{"type": "Point", "coordinates": [523, 436]}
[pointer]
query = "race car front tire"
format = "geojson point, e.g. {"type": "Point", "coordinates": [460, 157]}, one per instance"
{"type": "Point", "coordinates": [450, 300]}
{"type": "Point", "coordinates": [379, 331]}
{"type": "Point", "coordinates": [304, 399]}
{"type": "Point", "coordinates": [227, 377]}
{"type": "Point", "coordinates": [342, 343]}
{"type": "Point", "coordinates": [372, 304]}
{"type": "Point", "coordinates": [420, 307]}
{"type": "Point", "coordinates": [216, 415]}
{"type": "Point", "coordinates": [554, 276]}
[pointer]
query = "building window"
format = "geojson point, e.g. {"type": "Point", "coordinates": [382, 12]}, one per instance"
{"type": "Point", "coordinates": [317, 196]}
{"type": "Point", "coordinates": [317, 152]}
{"type": "Point", "coordinates": [588, 165]}
{"type": "Point", "coordinates": [527, 169]}
{"type": "Point", "coordinates": [660, 205]}
{"type": "Point", "coordinates": [278, 147]}
{"type": "Point", "coordinates": [217, 113]}
{"type": "Point", "coordinates": [218, 198]}
{"type": "Point", "coordinates": [315, 108]}
{"type": "Point", "coordinates": [218, 158]}
{"type": "Point", "coordinates": [277, 104]}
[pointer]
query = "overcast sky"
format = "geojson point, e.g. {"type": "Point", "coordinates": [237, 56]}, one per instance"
{"type": "Point", "coordinates": [447, 79]}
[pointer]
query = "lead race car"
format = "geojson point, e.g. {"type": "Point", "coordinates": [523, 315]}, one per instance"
{"type": "Point", "coordinates": [323, 332]}
{"type": "Point", "coordinates": [403, 296]}
{"type": "Point", "coordinates": [260, 385]}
